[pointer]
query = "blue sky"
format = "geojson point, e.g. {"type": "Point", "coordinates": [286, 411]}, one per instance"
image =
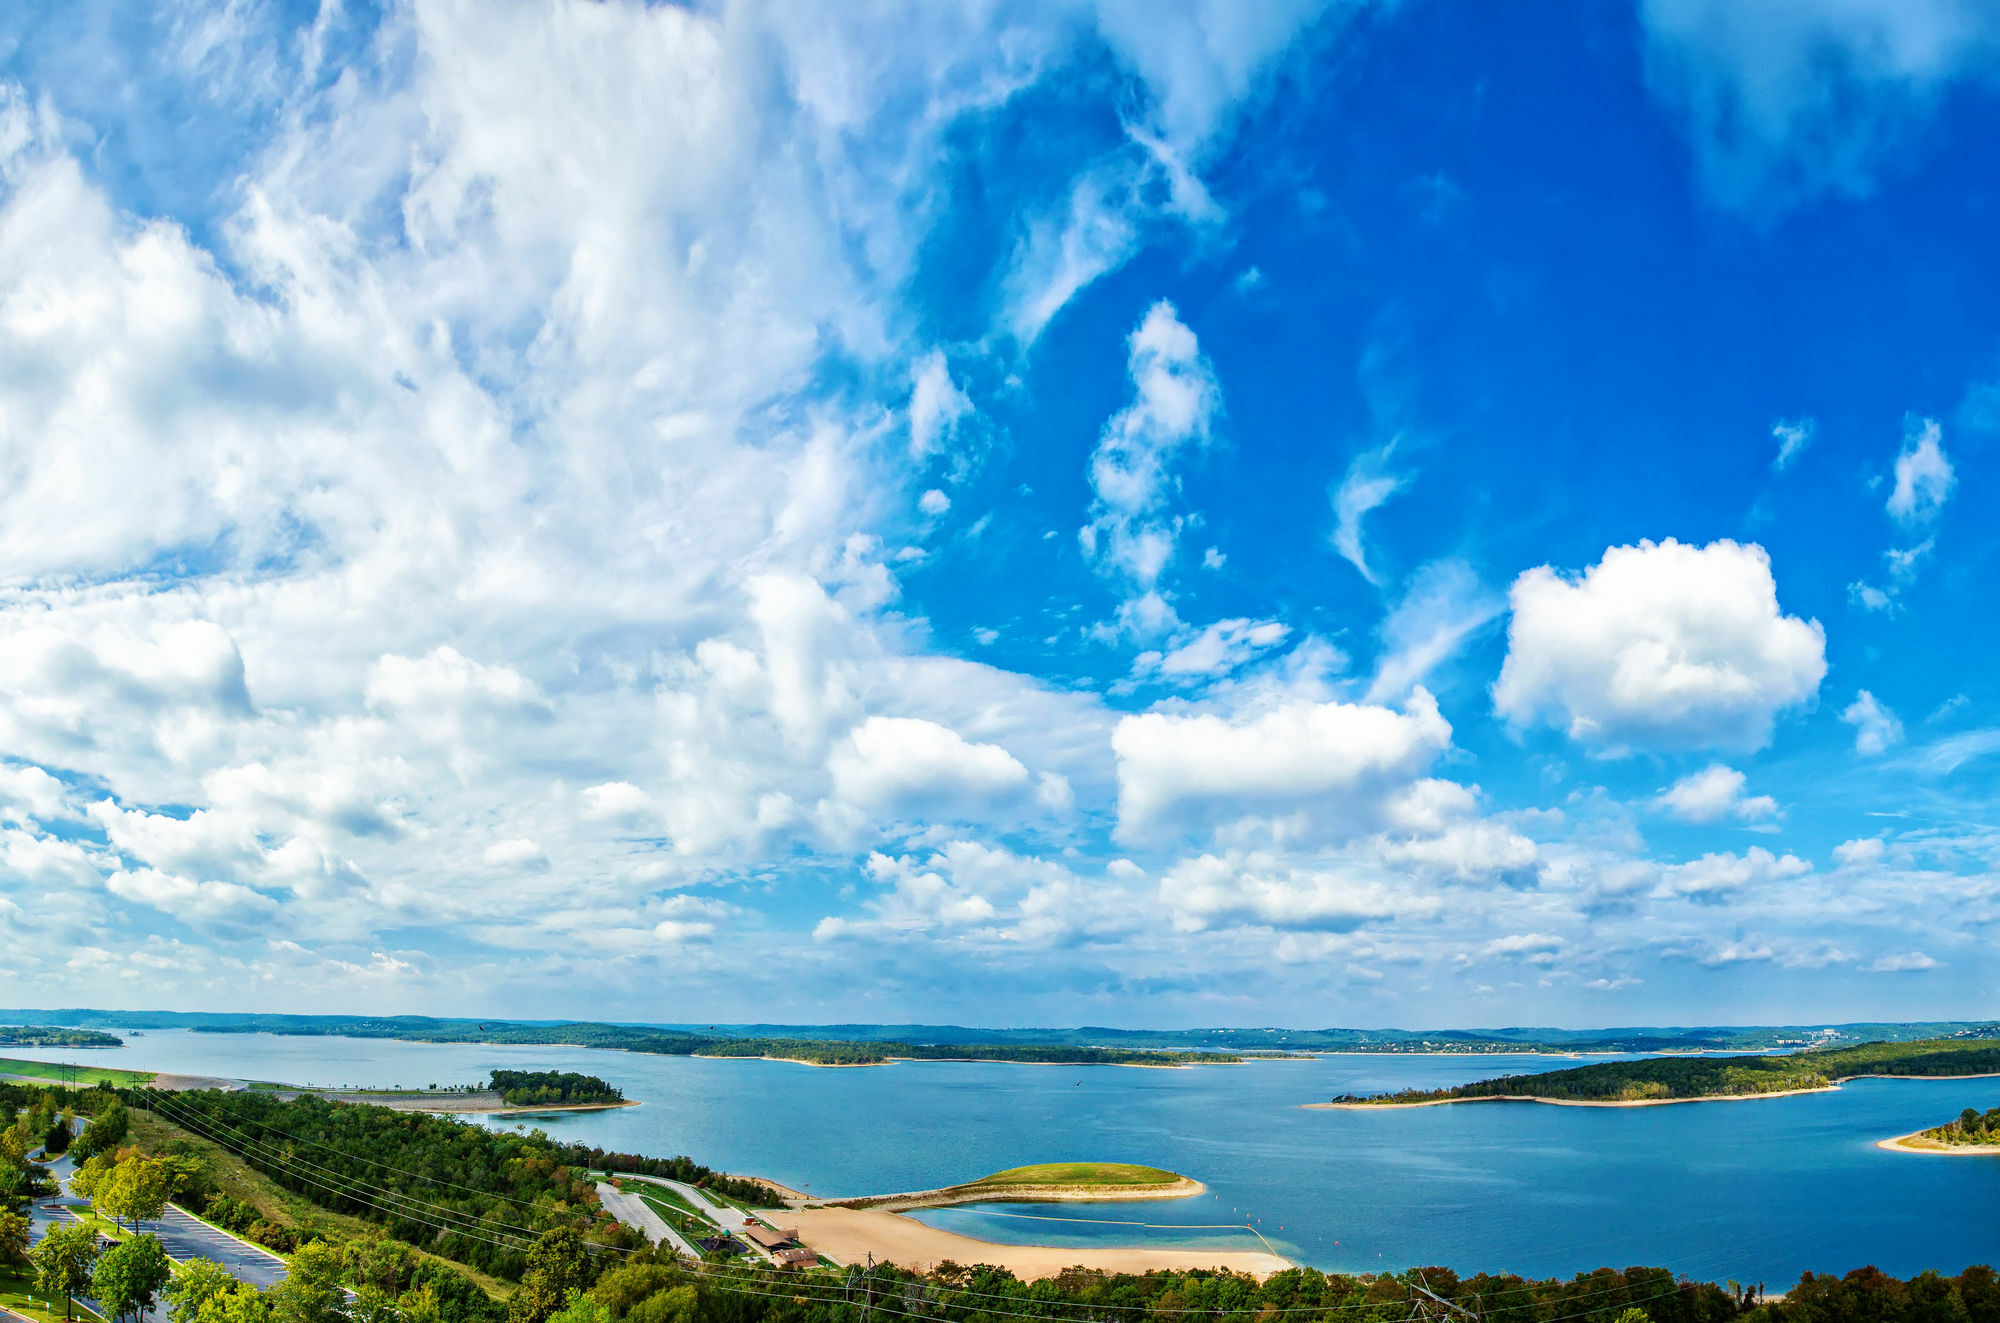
{"type": "Point", "coordinates": [1351, 514]}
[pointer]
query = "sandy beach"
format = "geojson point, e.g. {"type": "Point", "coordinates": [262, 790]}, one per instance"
{"type": "Point", "coordinates": [1915, 1143]}
{"type": "Point", "coordinates": [978, 1193]}
{"type": "Point", "coordinates": [850, 1235]}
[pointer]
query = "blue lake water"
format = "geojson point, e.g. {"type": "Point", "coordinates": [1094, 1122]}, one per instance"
{"type": "Point", "coordinates": [1753, 1191]}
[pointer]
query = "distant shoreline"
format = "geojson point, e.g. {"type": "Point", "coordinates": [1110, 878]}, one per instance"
{"type": "Point", "coordinates": [1832, 1086]}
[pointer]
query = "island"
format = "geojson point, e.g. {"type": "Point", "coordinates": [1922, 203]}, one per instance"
{"type": "Point", "coordinates": [48, 1035]}
{"type": "Point", "coordinates": [553, 1088]}
{"type": "Point", "coordinates": [1974, 1132]}
{"type": "Point", "coordinates": [1655, 1080]}
{"type": "Point", "coordinates": [1048, 1182]}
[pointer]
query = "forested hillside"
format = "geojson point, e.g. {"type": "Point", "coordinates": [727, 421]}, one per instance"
{"type": "Point", "coordinates": [1669, 1078]}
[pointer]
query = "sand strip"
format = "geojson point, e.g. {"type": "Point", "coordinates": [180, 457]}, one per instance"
{"type": "Point", "coordinates": [850, 1235]}
{"type": "Point", "coordinates": [1903, 1144]}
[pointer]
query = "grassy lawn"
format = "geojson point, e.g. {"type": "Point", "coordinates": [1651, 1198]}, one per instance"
{"type": "Point", "coordinates": [1081, 1173]}
{"type": "Point", "coordinates": [657, 1194]}
{"type": "Point", "coordinates": [16, 1293]}
{"type": "Point", "coordinates": [681, 1220]}
{"type": "Point", "coordinates": [86, 1076]}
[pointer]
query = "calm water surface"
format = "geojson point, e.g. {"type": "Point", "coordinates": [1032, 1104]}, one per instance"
{"type": "Point", "coordinates": [1755, 1191]}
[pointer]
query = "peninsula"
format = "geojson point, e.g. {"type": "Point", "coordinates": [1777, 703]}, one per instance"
{"type": "Point", "coordinates": [1974, 1133]}
{"type": "Point", "coordinates": [1656, 1080]}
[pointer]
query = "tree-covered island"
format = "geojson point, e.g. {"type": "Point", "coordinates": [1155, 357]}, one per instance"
{"type": "Point", "coordinates": [1688, 1079]}
{"type": "Point", "coordinates": [553, 1088]}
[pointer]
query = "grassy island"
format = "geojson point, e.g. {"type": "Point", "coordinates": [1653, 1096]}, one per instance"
{"type": "Point", "coordinates": [1688, 1079]}
{"type": "Point", "coordinates": [1043, 1183]}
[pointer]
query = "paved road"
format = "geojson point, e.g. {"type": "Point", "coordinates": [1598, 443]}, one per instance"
{"type": "Point", "coordinates": [634, 1212]}
{"type": "Point", "coordinates": [187, 1237]}
{"type": "Point", "coordinates": [729, 1219]}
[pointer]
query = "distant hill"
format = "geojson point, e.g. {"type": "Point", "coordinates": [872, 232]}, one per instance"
{"type": "Point", "coordinates": [686, 1038]}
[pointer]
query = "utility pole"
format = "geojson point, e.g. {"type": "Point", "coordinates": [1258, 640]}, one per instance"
{"type": "Point", "coordinates": [1429, 1306]}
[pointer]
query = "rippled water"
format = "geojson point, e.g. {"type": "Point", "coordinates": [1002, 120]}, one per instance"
{"type": "Point", "coordinates": [1754, 1191]}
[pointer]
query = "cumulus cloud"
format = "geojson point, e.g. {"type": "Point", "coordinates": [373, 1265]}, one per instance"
{"type": "Point", "coordinates": [1721, 875]}
{"type": "Point", "coordinates": [1259, 889]}
{"type": "Point", "coordinates": [1875, 726]}
{"type": "Point", "coordinates": [1132, 535]}
{"type": "Point", "coordinates": [1714, 793]}
{"type": "Point", "coordinates": [1662, 645]}
{"type": "Point", "coordinates": [905, 765]}
{"type": "Point", "coordinates": [1179, 771]}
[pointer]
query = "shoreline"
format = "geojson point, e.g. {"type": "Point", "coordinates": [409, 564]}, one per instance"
{"type": "Point", "coordinates": [848, 1235]}
{"type": "Point", "coordinates": [1563, 1102]}
{"type": "Point", "coordinates": [1831, 1086]}
{"type": "Point", "coordinates": [1902, 1144]}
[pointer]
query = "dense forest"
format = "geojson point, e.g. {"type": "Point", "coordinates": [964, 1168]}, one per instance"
{"type": "Point", "coordinates": [1665, 1078]}
{"type": "Point", "coordinates": [533, 1088]}
{"type": "Point", "coordinates": [1971, 1127]}
{"type": "Point", "coordinates": [43, 1035]}
{"type": "Point", "coordinates": [650, 1287]}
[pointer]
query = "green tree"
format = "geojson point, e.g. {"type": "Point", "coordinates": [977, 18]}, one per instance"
{"type": "Point", "coordinates": [679, 1305]}
{"type": "Point", "coordinates": [16, 1234]}
{"type": "Point", "coordinates": [107, 1130]}
{"type": "Point", "coordinates": [129, 1275]}
{"type": "Point", "coordinates": [63, 1262]}
{"type": "Point", "coordinates": [581, 1308]}
{"type": "Point", "coordinates": [556, 1267]}
{"type": "Point", "coordinates": [199, 1281]}
{"type": "Point", "coordinates": [311, 1291]}
{"type": "Point", "coordinates": [137, 1190]}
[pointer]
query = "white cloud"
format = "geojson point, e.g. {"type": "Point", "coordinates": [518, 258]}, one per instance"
{"type": "Point", "coordinates": [1215, 651]}
{"type": "Point", "coordinates": [937, 406]}
{"type": "Point", "coordinates": [1924, 476]}
{"type": "Point", "coordinates": [1535, 948]}
{"type": "Point", "coordinates": [194, 902]}
{"type": "Point", "coordinates": [615, 800]}
{"type": "Point", "coordinates": [904, 765]}
{"type": "Point", "coordinates": [1859, 853]}
{"type": "Point", "coordinates": [1443, 608]}
{"type": "Point", "coordinates": [1902, 962]}
{"type": "Point", "coordinates": [519, 853]}
{"type": "Point", "coordinates": [1792, 438]}
{"type": "Point", "coordinates": [1875, 726]}
{"type": "Point", "coordinates": [1184, 771]}
{"type": "Point", "coordinates": [1661, 645]}
{"type": "Point", "coordinates": [1785, 101]}
{"type": "Point", "coordinates": [934, 503]}
{"type": "Point", "coordinates": [1131, 535]}
{"type": "Point", "coordinates": [1714, 793]}
{"type": "Point", "coordinates": [1368, 485]}
{"type": "Point", "coordinates": [1232, 889]}
{"type": "Point", "coordinates": [1722, 875]}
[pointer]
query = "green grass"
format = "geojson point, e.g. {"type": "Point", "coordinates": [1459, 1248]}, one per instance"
{"type": "Point", "coordinates": [17, 1294]}
{"type": "Point", "coordinates": [1082, 1173]}
{"type": "Point", "coordinates": [85, 1076]}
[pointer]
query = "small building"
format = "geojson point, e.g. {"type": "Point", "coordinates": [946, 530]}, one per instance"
{"type": "Point", "coordinates": [769, 1238]}
{"type": "Point", "coordinates": [794, 1256]}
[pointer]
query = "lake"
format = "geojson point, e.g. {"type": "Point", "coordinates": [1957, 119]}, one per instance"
{"type": "Point", "coordinates": [1753, 1191]}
